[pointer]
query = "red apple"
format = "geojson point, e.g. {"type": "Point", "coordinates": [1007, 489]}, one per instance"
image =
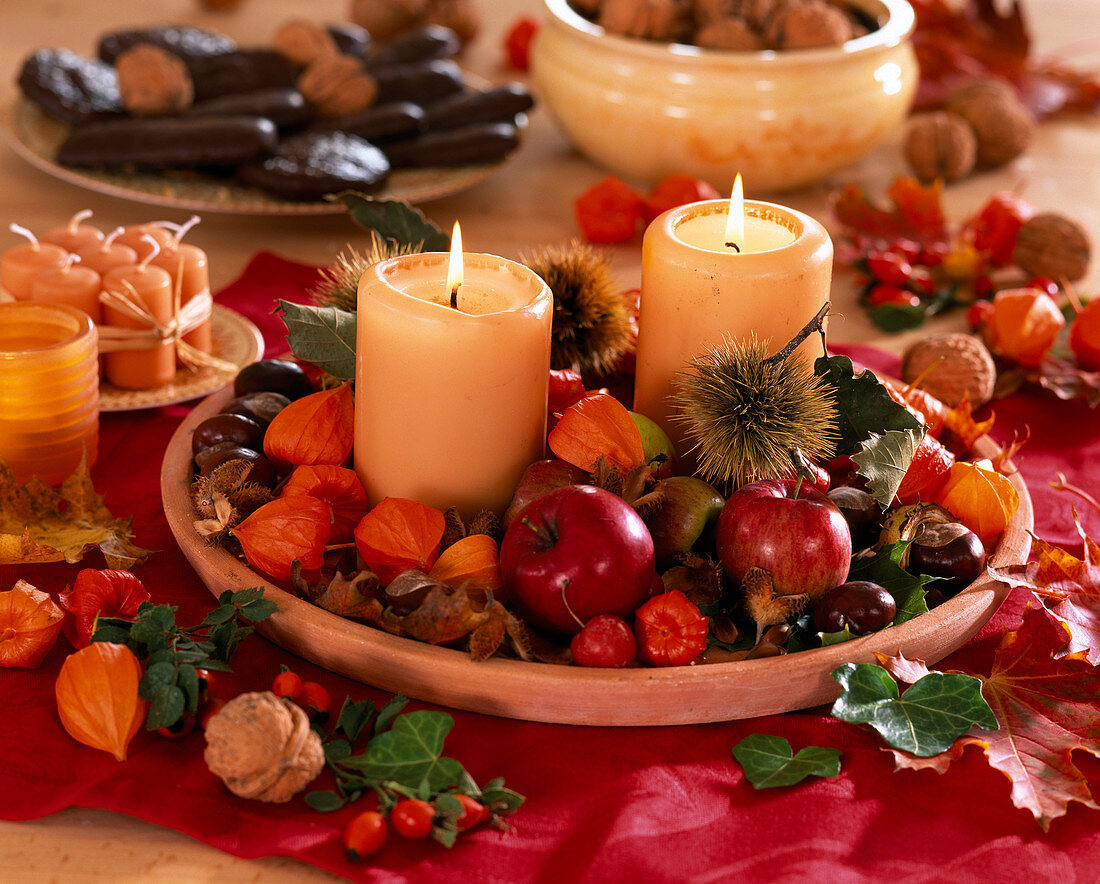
{"type": "Point", "coordinates": [540, 477]}
{"type": "Point", "coordinates": [573, 553]}
{"type": "Point", "coordinates": [788, 528]}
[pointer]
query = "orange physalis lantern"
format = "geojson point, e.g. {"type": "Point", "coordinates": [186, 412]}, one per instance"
{"type": "Point", "coordinates": [339, 487]}
{"type": "Point", "coordinates": [598, 424]}
{"type": "Point", "coordinates": [97, 697]}
{"type": "Point", "coordinates": [979, 497]}
{"type": "Point", "coordinates": [316, 429]}
{"type": "Point", "coordinates": [472, 564]}
{"type": "Point", "coordinates": [399, 535]}
{"type": "Point", "coordinates": [29, 624]}
{"type": "Point", "coordinates": [1023, 325]}
{"type": "Point", "coordinates": [283, 531]}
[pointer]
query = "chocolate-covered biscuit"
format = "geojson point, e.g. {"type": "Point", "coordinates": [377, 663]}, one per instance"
{"type": "Point", "coordinates": [244, 70]}
{"type": "Point", "coordinates": [285, 107]}
{"type": "Point", "coordinates": [70, 88]}
{"type": "Point", "coordinates": [479, 143]}
{"type": "Point", "coordinates": [309, 165]}
{"type": "Point", "coordinates": [181, 40]}
{"type": "Point", "coordinates": [419, 83]}
{"type": "Point", "coordinates": [423, 44]}
{"type": "Point", "coordinates": [493, 105]}
{"type": "Point", "coordinates": [168, 142]}
{"type": "Point", "coordinates": [382, 122]}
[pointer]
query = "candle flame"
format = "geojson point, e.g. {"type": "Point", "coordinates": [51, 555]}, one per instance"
{"type": "Point", "coordinates": [735, 221]}
{"type": "Point", "coordinates": [454, 266]}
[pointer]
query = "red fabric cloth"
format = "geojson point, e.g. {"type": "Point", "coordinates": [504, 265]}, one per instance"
{"type": "Point", "coordinates": [603, 804]}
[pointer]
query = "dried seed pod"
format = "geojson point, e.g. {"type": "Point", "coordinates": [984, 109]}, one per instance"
{"type": "Point", "coordinates": [940, 145]}
{"type": "Point", "coordinates": [262, 747]}
{"type": "Point", "coordinates": [1053, 246]}
{"type": "Point", "coordinates": [152, 81]}
{"type": "Point", "coordinates": [949, 366]}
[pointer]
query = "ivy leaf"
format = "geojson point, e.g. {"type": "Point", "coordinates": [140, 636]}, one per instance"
{"type": "Point", "coordinates": [325, 802]}
{"type": "Point", "coordinates": [768, 761]}
{"type": "Point", "coordinates": [410, 753]}
{"type": "Point", "coordinates": [353, 717]}
{"type": "Point", "coordinates": [884, 568]}
{"type": "Point", "coordinates": [883, 459]}
{"type": "Point", "coordinates": [395, 221]}
{"type": "Point", "coordinates": [321, 336]}
{"type": "Point", "coordinates": [39, 523]}
{"type": "Point", "coordinates": [863, 404]}
{"type": "Point", "coordinates": [926, 720]}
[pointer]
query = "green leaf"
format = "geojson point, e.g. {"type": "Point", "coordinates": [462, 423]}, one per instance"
{"type": "Point", "coordinates": [322, 336]}
{"type": "Point", "coordinates": [157, 677]}
{"type": "Point", "coordinates": [165, 708]}
{"type": "Point", "coordinates": [187, 679]}
{"type": "Point", "coordinates": [835, 638]}
{"type": "Point", "coordinates": [932, 713]}
{"type": "Point", "coordinates": [154, 627]}
{"type": "Point", "coordinates": [863, 404]}
{"type": "Point", "coordinates": [409, 753]}
{"type": "Point", "coordinates": [220, 615]}
{"type": "Point", "coordinates": [897, 317]}
{"type": "Point", "coordinates": [769, 762]}
{"type": "Point", "coordinates": [354, 717]}
{"type": "Point", "coordinates": [395, 221]}
{"type": "Point", "coordinates": [883, 459]}
{"type": "Point", "coordinates": [884, 568]}
{"type": "Point", "coordinates": [325, 802]}
{"type": "Point", "coordinates": [259, 610]}
{"type": "Point", "coordinates": [111, 631]}
{"type": "Point", "coordinates": [387, 715]}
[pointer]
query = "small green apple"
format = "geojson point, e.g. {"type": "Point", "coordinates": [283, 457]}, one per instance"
{"type": "Point", "coordinates": [678, 512]}
{"type": "Point", "coordinates": [655, 441]}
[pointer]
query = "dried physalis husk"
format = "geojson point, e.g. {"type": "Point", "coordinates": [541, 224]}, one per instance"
{"type": "Point", "coordinates": [29, 624]}
{"type": "Point", "coordinates": [152, 81]}
{"type": "Point", "coordinates": [263, 747]}
{"type": "Point", "coordinates": [97, 697]}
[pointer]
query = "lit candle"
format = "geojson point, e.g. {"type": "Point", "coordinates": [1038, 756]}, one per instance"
{"type": "Point", "coordinates": [150, 289]}
{"type": "Point", "coordinates": [21, 263]}
{"type": "Point", "coordinates": [75, 236]}
{"type": "Point", "coordinates": [108, 254]}
{"type": "Point", "coordinates": [190, 272]}
{"type": "Point", "coordinates": [450, 401]}
{"type": "Point", "coordinates": [49, 390]}
{"type": "Point", "coordinates": [70, 284]}
{"type": "Point", "coordinates": [703, 281]}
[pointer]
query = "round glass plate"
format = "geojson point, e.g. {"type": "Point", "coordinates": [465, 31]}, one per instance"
{"type": "Point", "coordinates": [236, 340]}
{"type": "Point", "coordinates": [35, 137]}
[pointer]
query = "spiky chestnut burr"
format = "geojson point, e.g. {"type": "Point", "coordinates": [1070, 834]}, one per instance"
{"type": "Point", "coordinates": [592, 328]}
{"type": "Point", "coordinates": [744, 410]}
{"type": "Point", "coordinates": [339, 284]}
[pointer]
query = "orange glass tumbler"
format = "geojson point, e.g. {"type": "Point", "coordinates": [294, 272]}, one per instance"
{"type": "Point", "coordinates": [49, 390]}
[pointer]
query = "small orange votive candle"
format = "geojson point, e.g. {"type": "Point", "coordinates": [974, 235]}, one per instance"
{"type": "Point", "coordinates": [108, 254]}
{"type": "Point", "coordinates": [21, 263]}
{"type": "Point", "coordinates": [74, 236]}
{"type": "Point", "coordinates": [49, 390]}
{"type": "Point", "coordinates": [70, 284]}
{"type": "Point", "coordinates": [190, 272]}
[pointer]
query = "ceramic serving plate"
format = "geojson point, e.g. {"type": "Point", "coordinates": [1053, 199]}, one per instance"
{"type": "Point", "coordinates": [573, 694]}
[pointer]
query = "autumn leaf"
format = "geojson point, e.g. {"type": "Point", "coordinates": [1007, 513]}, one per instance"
{"type": "Point", "coordinates": [352, 598]}
{"type": "Point", "coordinates": [43, 524]}
{"type": "Point", "coordinates": [321, 336]}
{"type": "Point", "coordinates": [1068, 587]}
{"type": "Point", "coordinates": [1046, 709]}
{"type": "Point", "coordinates": [444, 616]}
{"type": "Point", "coordinates": [598, 425]}
{"type": "Point", "coordinates": [914, 211]}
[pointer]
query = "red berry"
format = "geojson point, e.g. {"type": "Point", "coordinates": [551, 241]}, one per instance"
{"type": "Point", "coordinates": [891, 294]}
{"type": "Point", "coordinates": [922, 282]}
{"type": "Point", "coordinates": [908, 249]}
{"type": "Point", "coordinates": [932, 256]}
{"type": "Point", "coordinates": [609, 212]}
{"type": "Point", "coordinates": [315, 700]}
{"type": "Point", "coordinates": [978, 314]}
{"type": "Point", "coordinates": [287, 684]}
{"type": "Point", "coordinates": [365, 835]}
{"type": "Point", "coordinates": [983, 286]}
{"type": "Point", "coordinates": [605, 641]}
{"type": "Point", "coordinates": [517, 42]}
{"type": "Point", "coordinates": [1044, 284]}
{"type": "Point", "coordinates": [670, 630]}
{"type": "Point", "coordinates": [676, 190]}
{"type": "Point", "coordinates": [412, 818]}
{"type": "Point", "coordinates": [889, 268]}
{"type": "Point", "coordinates": [473, 813]}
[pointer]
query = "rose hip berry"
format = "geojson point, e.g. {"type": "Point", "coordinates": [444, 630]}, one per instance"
{"type": "Point", "coordinates": [287, 684]}
{"type": "Point", "coordinates": [412, 818]}
{"type": "Point", "coordinates": [315, 700]}
{"type": "Point", "coordinates": [605, 641]}
{"type": "Point", "coordinates": [474, 813]}
{"type": "Point", "coordinates": [860, 605]}
{"type": "Point", "coordinates": [670, 630]}
{"type": "Point", "coordinates": [365, 835]}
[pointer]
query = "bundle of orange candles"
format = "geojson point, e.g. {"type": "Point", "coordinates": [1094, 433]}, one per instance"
{"type": "Point", "coordinates": [146, 290]}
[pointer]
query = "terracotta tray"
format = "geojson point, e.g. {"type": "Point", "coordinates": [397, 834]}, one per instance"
{"type": "Point", "coordinates": [571, 694]}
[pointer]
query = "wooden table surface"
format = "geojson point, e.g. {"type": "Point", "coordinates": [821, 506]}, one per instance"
{"type": "Point", "coordinates": [528, 203]}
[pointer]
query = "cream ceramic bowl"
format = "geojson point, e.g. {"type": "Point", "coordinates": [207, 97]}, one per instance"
{"type": "Point", "coordinates": [782, 119]}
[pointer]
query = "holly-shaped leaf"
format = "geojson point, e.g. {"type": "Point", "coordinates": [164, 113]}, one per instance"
{"type": "Point", "coordinates": [1068, 587]}
{"type": "Point", "coordinates": [395, 221]}
{"type": "Point", "coordinates": [924, 721]}
{"type": "Point", "coordinates": [769, 761]}
{"type": "Point", "coordinates": [321, 336]}
{"type": "Point", "coordinates": [884, 458]}
{"type": "Point", "coordinates": [884, 568]}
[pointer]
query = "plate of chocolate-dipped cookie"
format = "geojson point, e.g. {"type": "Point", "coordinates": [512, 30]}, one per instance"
{"type": "Point", "coordinates": [262, 130]}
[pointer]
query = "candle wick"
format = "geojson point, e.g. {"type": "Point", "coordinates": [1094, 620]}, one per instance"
{"type": "Point", "coordinates": [734, 246]}
{"type": "Point", "coordinates": [454, 296]}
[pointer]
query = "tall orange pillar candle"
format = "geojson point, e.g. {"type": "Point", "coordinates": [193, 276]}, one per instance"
{"type": "Point", "coordinates": [150, 287]}
{"type": "Point", "coordinates": [49, 390]}
{"type": "Point", "coordinates": [75, 235]}
{"type": "Point", "coordinates": [190, 271]}
{"type": "Point", "coordinates": [450, 402]}
{"type": "Point", "coordinates": [697, 291]}
{"type": "Point", "coordinates": [70, 284]}
{"type": "Point", "coordinates": [21, 263]}
{"type": "Point", "coordinates": [108, 254]}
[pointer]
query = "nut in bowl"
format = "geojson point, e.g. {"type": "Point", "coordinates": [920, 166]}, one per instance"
{"type": "Point", "coordinates": [782, 118]}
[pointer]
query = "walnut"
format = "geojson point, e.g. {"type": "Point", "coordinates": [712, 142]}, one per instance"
{"type": "Point", "coordinates": [152, 81]}
{"type": "Point", "coordinates": [940, 145]}
{"type": "Point", "coordinates": [1052, 246]}
{"type": "Point", "coordinates": [300, 41]}
{"type": "Point", "coordinates": [667, 20]}
{"type": "Point", "coordinates": [808, 25]}
{"type": "Point", "coordinates": [949, 366]}
{"type": "Point", "coordinates": [262, 747]}
{"type": "Point", "coordinates": [385, 19]}
{"type": "Point", "coordinates": [759, 13]}
{"type": "Point", "coordinates": [337, 86]}
{"type": "Point", "coordinates": [708, 11]}
{"type": "Point", "coordinates": [461, 16]}
{"type": "Point", "coordinates": [1002, 125]}
{"type": "Point", "coordinates": [729, 33]}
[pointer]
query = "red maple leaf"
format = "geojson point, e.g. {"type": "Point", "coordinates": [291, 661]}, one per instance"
{"type": "Point", "coordinates": [914, 211]}
{"type": "Point", "coordinates": [1046, 708]}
